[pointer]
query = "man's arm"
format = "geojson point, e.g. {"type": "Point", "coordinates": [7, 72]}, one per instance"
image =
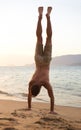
{"type": "Point", "coordinates": [51, 95]}
{"type": "Point", "coordinates": [29, 97]}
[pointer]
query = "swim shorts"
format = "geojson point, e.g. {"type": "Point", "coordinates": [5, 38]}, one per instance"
{"type": "Point", "coordinates": [43, 57]}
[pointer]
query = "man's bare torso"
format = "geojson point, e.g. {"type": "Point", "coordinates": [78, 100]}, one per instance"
{"type": "Point", "coordinates": [41, 75]}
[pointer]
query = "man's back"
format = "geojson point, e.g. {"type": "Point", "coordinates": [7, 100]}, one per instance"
{"type": "Point", "coordinates": [41, 75]}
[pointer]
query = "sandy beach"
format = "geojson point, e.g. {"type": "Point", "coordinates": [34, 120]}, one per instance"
{"type": "Point", "coordinates": [15, 116]}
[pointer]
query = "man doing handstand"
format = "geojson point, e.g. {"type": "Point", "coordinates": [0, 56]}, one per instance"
{"type": "Point", "coordinates": [42, 61]}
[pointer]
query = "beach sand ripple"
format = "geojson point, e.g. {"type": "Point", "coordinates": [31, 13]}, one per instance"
{"type": "Point", "coordinates": [19, 118]}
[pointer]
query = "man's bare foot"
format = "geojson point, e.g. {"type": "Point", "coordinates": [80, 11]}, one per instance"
{"type": "Point", "coordinates": [40, 10]}
{"type": "Point", "coordinates": [49, 10]}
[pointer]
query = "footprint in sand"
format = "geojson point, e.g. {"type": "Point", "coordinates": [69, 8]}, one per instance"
{"type": "Point", "coordinates": [7, 122]}
{"type": "Point", "coordinates": [9, 128]}
{"type": "Point", "coordinates": [22, 113]}
{"type": "Point", "coordinates": [54, 123]}
{"type": "Point", "coordinates": [9, 119]}
{"type": "Point", "coordinates": [18, 114]}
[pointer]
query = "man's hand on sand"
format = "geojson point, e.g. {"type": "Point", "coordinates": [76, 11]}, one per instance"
{"type": "Point", "coordinates": [29, 109]}
{"type": "Point", "coordinates": [52, 112]}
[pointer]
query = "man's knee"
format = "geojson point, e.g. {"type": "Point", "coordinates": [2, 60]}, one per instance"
{"type": "Point", "coordinates": [49, 33]}
{"type": "Point", "coordinates": [39, 39]}
{"type": "Point", "coordinates": [48, 40]}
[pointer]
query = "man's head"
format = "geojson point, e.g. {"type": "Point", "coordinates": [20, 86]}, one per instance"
{"type": "Point", "coordinates": [35, 89]}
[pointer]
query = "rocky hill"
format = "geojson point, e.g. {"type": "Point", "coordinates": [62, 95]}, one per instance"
{"type": "Point", "coordinates": [67, 60]}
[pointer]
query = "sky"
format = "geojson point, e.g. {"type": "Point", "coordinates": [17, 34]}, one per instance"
{"type": "Point", "coordinates": [18, 20]}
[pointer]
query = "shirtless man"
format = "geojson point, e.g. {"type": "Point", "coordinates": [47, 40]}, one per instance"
{"type": "Point", "coordinates": [42, 61]}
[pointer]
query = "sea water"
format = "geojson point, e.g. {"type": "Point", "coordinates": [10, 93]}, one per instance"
{"type": "Point", "coordinates": [65, 81]}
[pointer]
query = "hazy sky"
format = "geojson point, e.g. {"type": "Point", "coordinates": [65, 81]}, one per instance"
{"type": "Point", "coordinates": [18, 20]}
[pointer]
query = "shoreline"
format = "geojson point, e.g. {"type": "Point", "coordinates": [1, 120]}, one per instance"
{"type": "Point", "coordinates": [37, 99]}
{"type": "Point", "coordinates": [15, 116]}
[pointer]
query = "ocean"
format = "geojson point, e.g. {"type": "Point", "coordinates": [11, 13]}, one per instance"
{"type": "Point", "coordinates": [65, 81]}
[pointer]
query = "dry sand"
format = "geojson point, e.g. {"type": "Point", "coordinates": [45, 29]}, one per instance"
{"type": "Point", "coordinates": [15, 116]}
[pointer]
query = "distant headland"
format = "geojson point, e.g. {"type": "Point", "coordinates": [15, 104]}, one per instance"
{"type": "Point", "coordinates": [67, 60]}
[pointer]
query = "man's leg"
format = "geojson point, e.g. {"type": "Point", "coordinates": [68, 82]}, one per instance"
{"type": "Point", "coordinates": [49, 28]}
{"type": "Point", "coordinates": [39, 46]}
{"type": "Point", "coordinates": [48, 46]}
